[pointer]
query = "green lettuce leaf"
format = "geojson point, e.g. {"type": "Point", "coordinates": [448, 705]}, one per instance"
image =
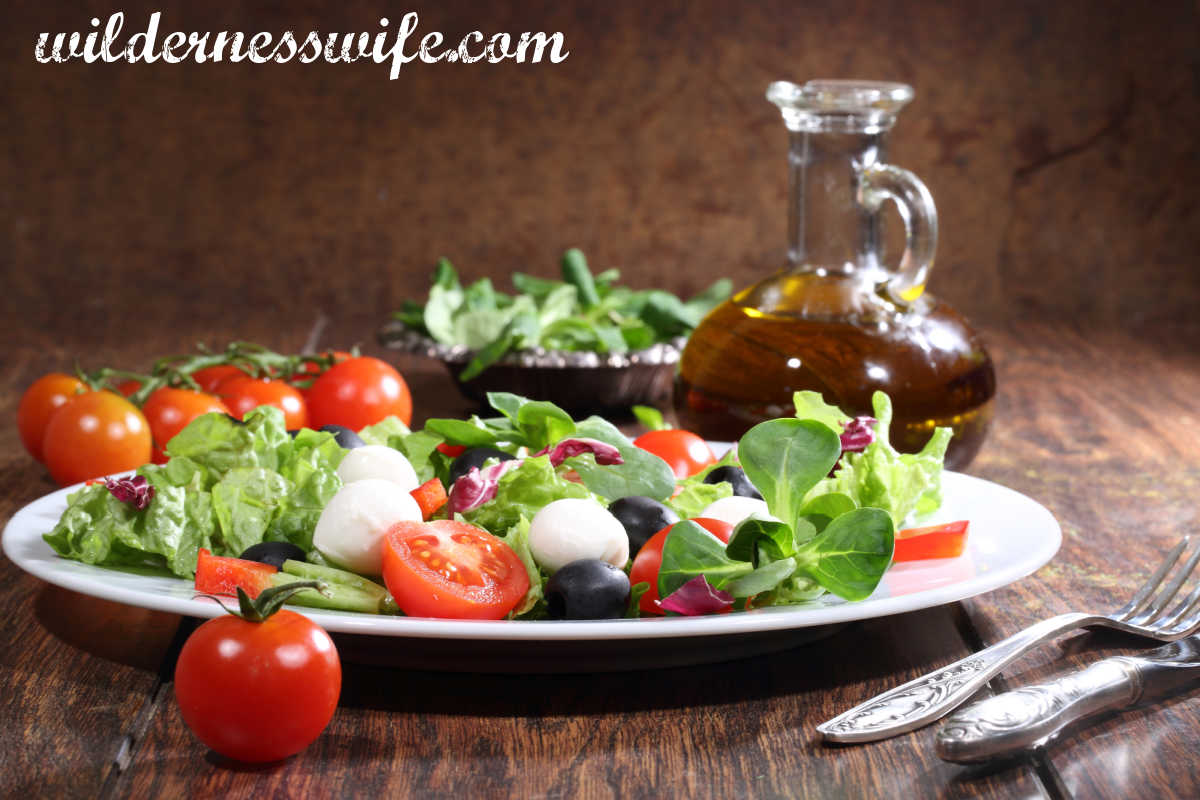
{"type": "Point", "coordinates": [388, 431]}
{"type": "Point", "coordinates": [518, 539]}
{"type": "Point", "coordinates": [310, 469]}
{"type": "Point", "coordinates": [695, 495]}
{"type": "Point", "coordinates": [96, 528]}
{"type": "Point", "coordinates": [221, 443]}
{"type": "Point", "coordinates": [902, 484]}
{"type": "Point", "coordinates": [522, 492]}
{"type": "Point", "coordinates": [246, 500]}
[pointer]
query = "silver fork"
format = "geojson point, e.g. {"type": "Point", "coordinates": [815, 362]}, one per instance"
{"type": "Point", "coordinates": [928, 698]}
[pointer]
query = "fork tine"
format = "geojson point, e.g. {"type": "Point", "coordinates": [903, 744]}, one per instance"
{"type": "Point", "coordinates": [1163, 599]}
{"type": "Point", "coordinates": [1140, 599]}
{"type": "Point", "coordinates": [1183, 611]}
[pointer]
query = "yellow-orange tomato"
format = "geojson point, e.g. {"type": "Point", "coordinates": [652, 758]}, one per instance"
{"type": "Point", "coordinates": [95, 434]}
{"type": "Point", "coordinates": [41, 400]}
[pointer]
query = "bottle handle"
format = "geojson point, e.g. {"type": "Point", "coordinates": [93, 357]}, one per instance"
{"type": "Point", "coordinates": [881, 182]}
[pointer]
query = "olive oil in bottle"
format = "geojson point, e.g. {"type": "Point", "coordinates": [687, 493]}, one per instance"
{"type": "Point", "coordinates": [834, 320]}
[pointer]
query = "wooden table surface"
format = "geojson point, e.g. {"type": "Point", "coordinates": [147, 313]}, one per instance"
{"type": "Point", "coordinates": [1100, 426]}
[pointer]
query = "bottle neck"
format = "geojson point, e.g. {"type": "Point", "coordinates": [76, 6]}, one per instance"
{"type": "Point", "coordinates": [829, 230]}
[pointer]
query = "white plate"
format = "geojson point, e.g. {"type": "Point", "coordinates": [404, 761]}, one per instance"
{"type": "Point", "coordinates": [1010, 537]}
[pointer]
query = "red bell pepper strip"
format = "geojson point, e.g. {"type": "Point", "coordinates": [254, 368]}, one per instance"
{"type": "Point", "coordinates": [933, 541]}
{"type": "Point", "coordinates": [222, 575]}
{"type": "Point", "coordinates": [430, 496]}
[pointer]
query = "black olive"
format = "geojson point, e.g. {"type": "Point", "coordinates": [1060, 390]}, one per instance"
{"type": "Point", "coordinates": [475, 457]}
{"type": "Point", "coordinates": [642, 517]}
{"type": "Point", "coordinates": [735, 477]}
{"type": "Point", "coordinates": [345, 437]}
{"type": "Point", "coordinates": [273, 553]}
{"type": "Point", "coordinates": [587, 589]}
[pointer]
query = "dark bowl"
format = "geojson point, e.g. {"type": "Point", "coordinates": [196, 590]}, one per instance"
{"type": "Point", "coordinates": [579, 382]}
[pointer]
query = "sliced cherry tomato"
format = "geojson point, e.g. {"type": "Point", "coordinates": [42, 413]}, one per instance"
{"type": "Point", "coordinates": [258, 691]}
{"type": "Point", "coordinates": [95, 434]}
{"type": "Point", "coordinates": [44, 396]}
{"type": "Point", "coordinates": [241, 394]}
{"type": "Point", "coordinates": [649, 559]}
{"type": "Point", "coordinates": [685, 452]}
{"type": "Point", "coordinates": [451, 570]}
{"type": "Point", "coordinates": [211, 378]}
{"type": "Point", "coordinates": [170, 410]}
{"type": "Point", "coordinates": [222, 575]}
{"type": "Point", "coordinates": [430, 496]}
{"type": "Point", "coordinates": [933, 541]}
{"type": "Point", "coordinates": [359, 392]}
{"type": "Point", "coordinates": [451, 450]}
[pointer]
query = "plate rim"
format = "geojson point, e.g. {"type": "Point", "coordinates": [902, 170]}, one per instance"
{"type": "Point", "coordinates": [24, 546]}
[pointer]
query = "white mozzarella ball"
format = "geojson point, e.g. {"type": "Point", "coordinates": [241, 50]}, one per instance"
{"type": "Point", "coordinates": [378, 461]}
{"type": "Point", "coordinates": [574, 528]}
{"type": "Point", "coordinates": [737, 508]}
{"type": "Point", "coordinates": [350, 530]}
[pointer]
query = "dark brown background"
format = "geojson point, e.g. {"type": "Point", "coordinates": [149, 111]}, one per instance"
{"type": "Point", "coordinates": [1057, 138]}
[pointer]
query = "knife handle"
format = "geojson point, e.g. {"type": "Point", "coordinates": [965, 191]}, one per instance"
{"type": "Point", "coordinates": [1010, 723]}
{"type": "Point", "coordinates": [921, 701]}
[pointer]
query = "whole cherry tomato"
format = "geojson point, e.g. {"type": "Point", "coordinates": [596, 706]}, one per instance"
{"type": "Point", "coordinates": [210, 378]}
{"type": "Point", "coordinates": [170, 410]}
{"type": "Point", "coordinates": [95, 434]}
{"type": "Point", "coordinates": [258, 691]}
{"type": "Point", "coordinates": [44, 397]}
{"type": "Point", "coordinates": [241, 394]}
{"type": "Point", "coordinates": [359, 392]}
{"type": "Point", "coordinates": [649, 559]}
{"type": "Point", "coordinates": [685, 452]}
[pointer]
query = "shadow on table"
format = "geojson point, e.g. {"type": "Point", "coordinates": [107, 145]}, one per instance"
{"type": "Point", "coordinates": [857, 654]}
{"type": "Point", "coordinates": [135, 637]}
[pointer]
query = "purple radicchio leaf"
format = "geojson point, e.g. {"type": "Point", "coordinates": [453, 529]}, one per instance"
{"type": "Point", "coordinates": [857, 434]}
{"type": "Point", "coordinates": [136, 491]}
{"type": "Point", "coordinates": [605, 453]}
{"type": "Point", "coordinates": [478, 486]}
{"type": "Point", "coordinates": [696, 597]}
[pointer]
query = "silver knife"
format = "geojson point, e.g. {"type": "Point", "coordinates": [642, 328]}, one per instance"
{"type": "Point", "coordinates": [1030, 717]}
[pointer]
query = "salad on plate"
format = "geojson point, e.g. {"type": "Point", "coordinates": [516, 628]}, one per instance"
{"type": "Point", "coordinates": [527, 514]}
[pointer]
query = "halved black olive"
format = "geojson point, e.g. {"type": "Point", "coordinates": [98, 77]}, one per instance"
{"type": "Point", "coordinates": [475, 457]}
{"type": "Point", "coordinates": [642, 517]}
{"type": "Point", "coordinates": [735, 477]}
{"type": "Point", "coordinates": [345, 436]}
{"type": "Point", "coordinates": [273, 553]}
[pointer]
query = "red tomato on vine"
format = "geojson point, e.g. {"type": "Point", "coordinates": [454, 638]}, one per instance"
{"type": "Point", "coordinates": [358, 392]}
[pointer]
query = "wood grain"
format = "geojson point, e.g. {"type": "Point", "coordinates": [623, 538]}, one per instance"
{"type": "Point", "coordinates": [707, 731]}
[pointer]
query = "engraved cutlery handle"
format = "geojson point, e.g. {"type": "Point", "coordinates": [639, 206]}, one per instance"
{"type": "Point", "coordinates": [1010, 723]}
{"type": "Point", "coordinates": [931, 697]}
